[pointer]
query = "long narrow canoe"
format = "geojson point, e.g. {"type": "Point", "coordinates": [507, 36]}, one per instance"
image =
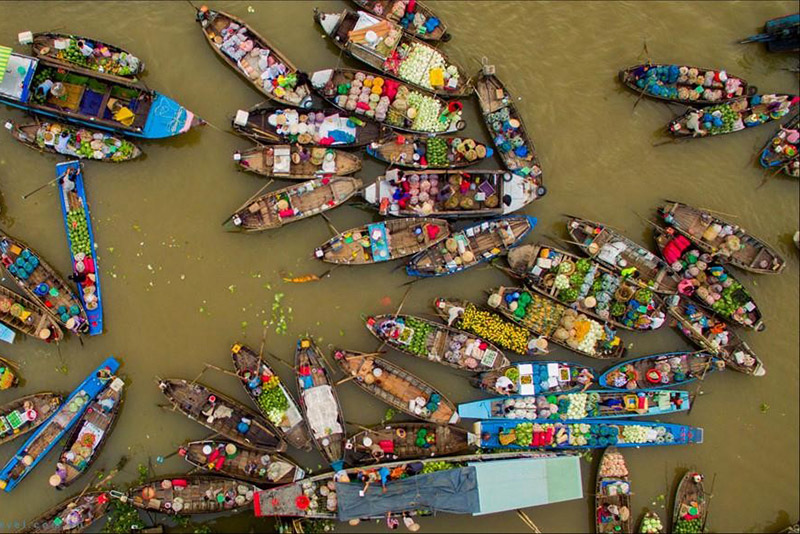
{"type": "Point", "coordinates": [254, 58]}
{"type": "Point", "coordinates": [732, 116]}
{"type": "Point", "coordinates": [612, 499]}
{"type": "Point", "coordinates": [84, 444]}
{"type": "Point", "coordinates": [221, 414]}
{"type": "Point", "coordinates": [423, 152]}
{"type": "Point", "coordinates": [396, 387]}
{"type": "Point", "coordinates": [408, 441]}
{"type": "Point", "coordinates": [74, 515]}
{"type": "Point", "coordinates": [690, 504]}
{"type": "Point", "coordinates": [73, 141]}
{"type": "Point", "coordinates": [617, 252]}
{"type": "Point", "coordinates": [192, 494]}
{"type": "Point", "coordinates": [715, 336]}
{"type": "Point", "coordinates": [436, 342]}
{"type": "Point", "coordinates": [397, 105]}
{"type": "Point", "coordinates": [49, 433]}
{"type": "Point", "coordinates": [93, 99]}
{"type": "Point", "coordinates": [587, 286]}
{"type": "Point", "coordinates": [328, 127]}
{"type": "Point", "coordinates": [534, 378]}
{"type": "Point", "coordinates": [707, 281]}
{"type": "Point", "coordinates": [320, 404]}
{"type": "Point", "coordinates": [782, 34]}
{"type": "Point", "coordinates": [240, 462]}
{"type": "Point", "coordinates": [274, 209]}
{"type": "Point", "coordinates": [42, 284]}
{"type": "Point", "coordinates": [268, 392]}
{"type": "Point", "coordinates": [587, 434]}
{"type": "Point", "coordinates": [679, 83]}
{"type": "Point", "coordinates": [783, 150]}
{"type": "Point", "coordinates": [507, 129]}
{"type": "Point", "coordinates": [668, 369]}
{"type": "Point", "coordinates": [27, 316]}
{"type": "Point", "coordinates": [80, 241]}
{"type": "Point", "coordinates": [420, 64]}
{"type": "Point", "coordinates": [449, 193]}
{"type": "Point", "coordinates": [22, 415]}
{"type": "Point", "coordinates": [564, 326]}
{"type": "Point", "coordinates": [296, 162]}
{"type": "Point", "coordinates": [727, 242]}
{"type": "Point", "coordinates": [416, 18]}
{"type": "Point", "coordinates": [589, 404]}
{"type": "Point", "coordinates": [383, 241]}
{"type": "Point", "coordinates": [476, 244]}
{"type": "Point", "coordinates": [104, 59]}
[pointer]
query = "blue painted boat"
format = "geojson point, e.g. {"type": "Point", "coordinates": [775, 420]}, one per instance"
{"type": "Point", "coordinates": [590, 404]}
{"type": "Point", "coordinates": [656, 371]}
{"type": "Point", "coordinates": [81, 243]}
{"type": "Point", "coordinates": [581, 434]}
{"type": "Point", "coordinates": [782, 34]}
{"type": "Point", "coordinates": [472, 246]}
{"type": "Point", "coordinates": [86, 98]}
{"type": "Point", "coordinates": [781, 151]}
{"type": "Point", "coordinates": [533, 378]}
{"type": "Point", "coordinates": [56, 427]}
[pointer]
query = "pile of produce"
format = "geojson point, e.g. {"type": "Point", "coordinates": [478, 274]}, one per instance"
{"type": "Point", "coordinates": [683, 83]}
{"type": "Point", "coordinates": [422, 65]}
{"type": "Point", "coordinates": [715, 331]}
{"type": "Point", "coordinates": [404, 13]}
{"type": "Point", "coordinates": [688, 526]}
{"type": "Point", "coordinates": [117, 63]}
{"type": "Point", "coordinates": [418, 344]}
{"type": "Point", "coordinates": [510, 140]}
{"type": "Point", "coordinates": [24, 265]}
{"type": "Point", "coordinates": [424, 438]}
{"type": "Point", "coordinates": [613, 465]}
{"type": "Point", "coordinates": [422, 192]}
{"type": "Point", "coordinates": [83, 143]}
{"type": "Point", "coordinates": [272, 400]}
{"type": "Point", "coordinates": [651, 524]}
{"type": "Point", "coordinates": [720, 119]}
{"type": "Point", "coordinates": [436, 152]}
{"type": "Point", "coordinates": [78, 231]}
{"type": "Point", "coordinates": [666, 370]}
{"type": "Point", "coordinates": [432, 467]}
{"type": "Point", "coordinates": [494, 328]}
{"type": "Point", "coordinates": [314, 493]}
{"type": "Point", "coordinates": [42, 73]}
{"type": "Point", "coordinates": [564, 406]}
{"type": "Point", "coordinates": [306, 128]}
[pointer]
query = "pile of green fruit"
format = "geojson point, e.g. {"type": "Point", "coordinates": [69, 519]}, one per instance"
{"type": "Point", "coordinates": [688, 526]}
{"type": "Point", "coordinates": [494, 328]}
{"type": "Point", "coordinates": [78, 230]}
{"type": "Point", "coordinates": [73, 54]}
{"type": "Point", "coordinates": [273, 401]}
{"type": "Point", "coordinates": [418, 344]}
{"type": "Point", "coordinates": [436, 152]}
{"type": "Point", "coordinates": [524, 434]}
{"type": "Point", "coordinates": [729, 117]}
{"type": "Point", "coordinates": [731, 299]}
{"type": "Point", "coordinates": [432, 467]}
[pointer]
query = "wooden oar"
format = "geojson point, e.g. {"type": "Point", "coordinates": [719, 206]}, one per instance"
{"type": "Point", "coordinates": [331, 227]}
{"type": "Point", "coordinates": [221, 370]}
{"type": "Point", "coordinates": [528, 522]}
{"type": "Point", "coordinates": [362, 427]}
{"type": "Point", "coordinates": [346, 379]}
{"type": "Point", "coordinates": [51, 182]}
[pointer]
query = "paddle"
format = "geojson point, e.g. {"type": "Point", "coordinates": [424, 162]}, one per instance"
{"type": "Point", "coordinates": [528, 521]}
{"type": "Point", "coordinates": [225, 371]}
{"type": "Point", "coordinates": [51, 182]}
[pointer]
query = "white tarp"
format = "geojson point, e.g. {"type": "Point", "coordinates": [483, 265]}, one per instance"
{"type": "Point", "coordinates": [322, 411]}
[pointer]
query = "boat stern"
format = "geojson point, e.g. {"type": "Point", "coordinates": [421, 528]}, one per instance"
{"type": "Point", "coordinates": [328, 21]}
{"type": "Point", "coordinates": [321, 78]}
{"type": "Point", "coordinates": [167, 118]}
{"type": "Point", "coordinates": [518, 192]}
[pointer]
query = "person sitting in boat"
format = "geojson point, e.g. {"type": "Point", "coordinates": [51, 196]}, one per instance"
{"type": "Point", "coordinates": [67, 180]}
{"type": "Point", "coordinates": [45, 87]}
{"type": "Point", "coordinates": [505, 386]}
{"type": "Point", "coordinates": [85, 48]}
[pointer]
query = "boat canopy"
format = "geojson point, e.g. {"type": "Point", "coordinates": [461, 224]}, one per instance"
{"type": "Point", "coordinates": [16, 74]}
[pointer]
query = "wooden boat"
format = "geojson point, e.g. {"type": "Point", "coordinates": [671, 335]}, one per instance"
{"type": "Point", "coordinates": [274, 209]}
{"type": "Point", "coordinates": [42, 284]}
{"type": "Point", "coordinates": [76, 514]}
{"type": "Point", "coordinates": [198, 494]}
{"type": "Point", "coordinates": [49, 433]}
{"type": "Point", "coordinates": [383, 241]}
{"type": "Point", "coordinates": [532, 378]}
{"type": "Point", "coordinates": [73, 141]}
{"type": "Point", "coordinates": [338, 129]}
{"type": "Point", "coordinates": [320, 403]}
{"type": "Point", "coordinates": [550, 319]}
{"type": "Point", "coordinates": [92, 99]}
{"type": "Point", "coordinates": [105, 59]}
{"type": "Point", "coordinates": [612, 500]}
{"type": "Point", "coordinates": [715, 337]}
{"type": "Point", "coordinates": [472, 246]}
{"type": "Point", "coordinates": [507, 129]}
{"type": "Point", "coordinates": [22, 415]}
{"type": "Point", "coordinates": [651, 523]}
{"type": "Point", "coordinates": [9, 374]}
{"type": "Point", "coordinates": [246, 51]}
{"type": "Point", "coordinates": [587, 286]}
{"type": "Point", "coordinates": [423, 152]}
{"type": "Point", "coordinates": [690, 504]}
{"type": "Point", "coordinates": [678, 83]}
{"type": "Point", "coordinates": [737, 247]}
{"type": "Point", "coordinates": [90, 434]}
{"type": "Point", "coordinates": [667, 369]}
{"type": "Point", "coordinates": [268, 392]}
{"type": "Point", "coordinates": [397, 387]}
{"type": "Point", "coordinates": [27, 317]}
{"type": "Point", "coordinates": [782, 34]}
{"type": "Point", "coordinates": [405, 14]}
{"type": "Point", "coordinates": [547, 434]}
{"type": "Point", "coordinates": [296, 162]}
{"type": "Point", "coordinates": [398, 105]}
{"type": "Point", "coordinates": [449, 193]}
{"type": "Point", "coordinates": [574, 405]}
{"type": "Point", "coordinates": [348, 31]}
{"type": "Point", "coordinates": [709, 283]}
{"type": "Point", "coordinates": [433, 341]}
{"type": "Point", "coordinates": [81, 242]}
{"type": "Point", "coordinates": [617, 252]}
{"type": "Point", "coordinates": [407, 441]}
{"type": "Point", "coordinates": [781, 151]}
{"type": "Point", "coordinates": [735, 115]}
{"type": "Point", "coordinates": [221, 414]}
{"type": "Point", "coordinates": [240, 462]}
